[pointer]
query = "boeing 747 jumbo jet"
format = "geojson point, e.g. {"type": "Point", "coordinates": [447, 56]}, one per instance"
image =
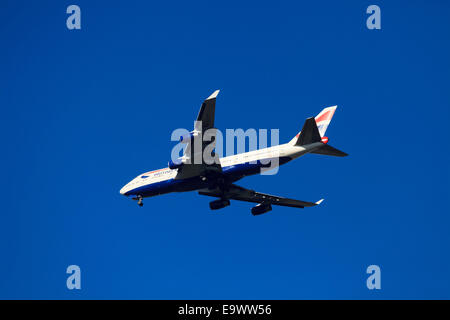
{"type": "Point", "coordinates": [216, 178]}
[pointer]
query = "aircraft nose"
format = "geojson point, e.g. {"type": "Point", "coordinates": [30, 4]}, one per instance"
{"type": "Point", "coordinates": [124, 190]}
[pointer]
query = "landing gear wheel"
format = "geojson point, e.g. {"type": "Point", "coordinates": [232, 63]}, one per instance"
{"type": "Point", "coordinates": [140, 203]}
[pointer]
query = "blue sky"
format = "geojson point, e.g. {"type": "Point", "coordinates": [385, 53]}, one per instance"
{"type": "Point", "coordinates": [85, 111]}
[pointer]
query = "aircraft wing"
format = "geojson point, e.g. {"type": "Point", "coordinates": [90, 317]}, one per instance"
{"type": "Point", "coordinates": [235, 192]}
{"type": "Point", "coordinates": [205, 137]}
{"type": "Point", "coordinates": [206, 113]}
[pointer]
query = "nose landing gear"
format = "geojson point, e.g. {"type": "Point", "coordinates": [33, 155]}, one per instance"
{"type": "Point", "coordinates": [139, 200]}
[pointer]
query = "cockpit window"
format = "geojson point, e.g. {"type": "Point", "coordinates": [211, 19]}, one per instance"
{"type": "Point", "coordinates": [143, 177]}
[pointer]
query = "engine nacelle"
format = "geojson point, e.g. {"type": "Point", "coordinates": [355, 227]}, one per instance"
{"type": "Point", "coordinates": [188, 137]}
{"type": "Point", "coordinates": [219, 204]}
{"type": "Point", "coordinates": [175, 164]}
{"type": "Point", "coordinates": [261, 208]}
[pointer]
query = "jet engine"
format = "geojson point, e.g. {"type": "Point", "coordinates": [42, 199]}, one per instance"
{"type": "Point", "coordinates": [261, 208]}
{"type": "Point", "coordinates": [219, 204]}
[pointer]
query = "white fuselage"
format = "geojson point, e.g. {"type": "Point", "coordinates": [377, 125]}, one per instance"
{"type": "Point", "coordinates": [278, 154]}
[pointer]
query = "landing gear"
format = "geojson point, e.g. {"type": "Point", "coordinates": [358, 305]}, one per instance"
{"type": "Point", "coordinates": [139, 199]}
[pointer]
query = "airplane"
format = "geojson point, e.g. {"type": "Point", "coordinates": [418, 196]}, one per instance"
{"type": "Point", "coordinates": [217, 178]}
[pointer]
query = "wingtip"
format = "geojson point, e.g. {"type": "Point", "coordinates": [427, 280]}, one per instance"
{"type": "Point", "coordinates": [319, 202]}
{"type": "Point", "coordinates": [213, 95]}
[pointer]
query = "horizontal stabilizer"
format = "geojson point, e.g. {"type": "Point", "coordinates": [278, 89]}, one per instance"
{"type": "Point", "coordinates": [329, 151]}
{"type": "Point", "coordinates": [309, 134]}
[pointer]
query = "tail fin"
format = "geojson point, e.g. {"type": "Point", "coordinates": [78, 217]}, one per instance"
{"type": "Point", "coordinates": [313, 131]}
{"type": "Point", "coordinates": [323, 119]}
